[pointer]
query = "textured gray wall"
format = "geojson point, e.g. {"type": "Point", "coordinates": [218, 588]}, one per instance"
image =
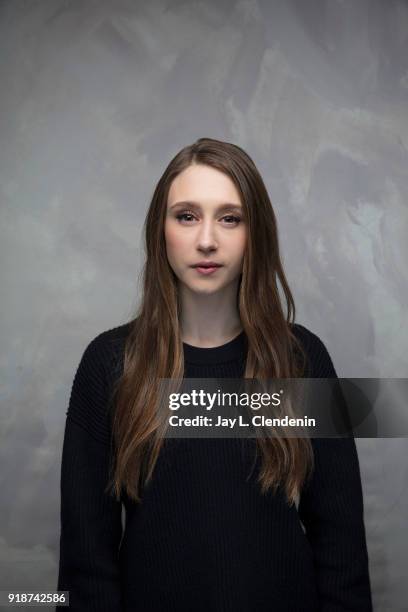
{"type": "Point", "coordinates": [96, 97]}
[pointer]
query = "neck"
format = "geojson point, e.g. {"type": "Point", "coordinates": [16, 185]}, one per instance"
{"type": "Point", "coordinates": [209, 319]}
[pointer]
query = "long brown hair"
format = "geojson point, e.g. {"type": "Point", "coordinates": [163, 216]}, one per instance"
{"type": "Point", "coordinates": [154, 349]}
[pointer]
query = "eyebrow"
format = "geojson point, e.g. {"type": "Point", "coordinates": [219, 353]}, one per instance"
{"type": "Point", "coordinates": [224, 206]}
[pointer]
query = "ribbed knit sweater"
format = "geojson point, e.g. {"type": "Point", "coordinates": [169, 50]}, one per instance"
{"type": "Point", "coordinates": [204, 538]}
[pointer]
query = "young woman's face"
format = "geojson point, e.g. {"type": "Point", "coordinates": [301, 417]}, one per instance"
{"type": "Point", "coordinates": [205, 222]}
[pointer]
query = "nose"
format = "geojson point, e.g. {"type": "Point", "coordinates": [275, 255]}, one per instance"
{"type": "Point", "coordinates": [206, 240]}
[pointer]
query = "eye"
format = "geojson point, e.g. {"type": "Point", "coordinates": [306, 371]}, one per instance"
{"type": "Point", "coordinates": [181, 216]}
{"type": "Point", "coordinates": [235, 219]}
{"type": "Point", "coordinates": [231, 219]}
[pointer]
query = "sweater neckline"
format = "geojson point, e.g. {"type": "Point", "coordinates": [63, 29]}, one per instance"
{"type": "Point", "coordinates": [230, 351]}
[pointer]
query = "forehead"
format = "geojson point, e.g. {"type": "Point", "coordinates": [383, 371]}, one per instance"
{"type": "Point", "coordinates": [202, 183]}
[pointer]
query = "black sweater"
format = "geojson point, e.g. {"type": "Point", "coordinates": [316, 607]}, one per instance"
{"type": "Point", "coordinates": [204, 538]}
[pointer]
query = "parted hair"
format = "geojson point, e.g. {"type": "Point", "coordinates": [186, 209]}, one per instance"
{"type": "Point", "coordinates": [154, 348]}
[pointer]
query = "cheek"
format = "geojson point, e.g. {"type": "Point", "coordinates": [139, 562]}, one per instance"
{"type": "Point", "coordinates": [174, 242]}
{"type": "Point", "coordinates": [170, 236]}
{"type": "Point", "coordinates": [239, 245]}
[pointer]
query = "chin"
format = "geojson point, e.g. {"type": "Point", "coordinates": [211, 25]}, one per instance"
{"type": "Point", "coordinates": [206, 290]}
{"type": "Point", "coordinates": [203, 288]}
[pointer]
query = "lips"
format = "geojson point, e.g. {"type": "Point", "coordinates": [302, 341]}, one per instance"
{"type": "Point", "coordinates": [207, 271]}
{"type": "Point", "coordinates": [207, 264]}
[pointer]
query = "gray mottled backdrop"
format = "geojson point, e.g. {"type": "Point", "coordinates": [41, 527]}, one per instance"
{"type": "Point", "coordinates": [96, 97]}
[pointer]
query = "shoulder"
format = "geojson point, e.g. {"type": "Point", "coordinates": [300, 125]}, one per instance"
{"type": "Point", "coordinates": [320, 364]}
{"type": "Point", "coordinates": [91, 389]}
{"type": "Point", "coordinates": [105, 350]}
{"type": "Point", "coordinates": [110, 339]}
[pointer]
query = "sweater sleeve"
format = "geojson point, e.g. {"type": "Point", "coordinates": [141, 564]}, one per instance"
{"type": "Point", "coordinates": [91, 525]}
{"type": "Point", "coordinates": [331, 510]}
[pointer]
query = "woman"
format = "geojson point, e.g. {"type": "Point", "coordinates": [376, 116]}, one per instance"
{"type": "Point", "coordinates": [203, 532]}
